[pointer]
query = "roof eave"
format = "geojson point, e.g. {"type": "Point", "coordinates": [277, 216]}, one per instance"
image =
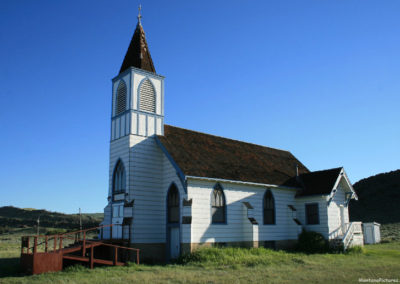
{"type": "Point", "coordinates": [179, 172]}
{"type": "Point", "coordinates": [242, 182]}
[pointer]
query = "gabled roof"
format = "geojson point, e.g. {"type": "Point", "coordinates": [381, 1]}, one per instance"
{"type": "Point", "coordinates": [318, 182]}
{"type": "Point", "coordinates": [138, 54]}
{"type": "Point", "coordinates": [204, 155]}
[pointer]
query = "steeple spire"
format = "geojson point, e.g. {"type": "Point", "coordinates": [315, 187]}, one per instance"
{"type": "Point", "coordinates": [138, 54]}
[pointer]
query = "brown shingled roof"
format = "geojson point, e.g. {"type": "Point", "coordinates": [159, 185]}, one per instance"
{"type": "Point", "coordinates": [319, 182]}
{"type": "Point", "coordinates": [204, 155]}
{"type": "Point", "coordinates": [138, 54]}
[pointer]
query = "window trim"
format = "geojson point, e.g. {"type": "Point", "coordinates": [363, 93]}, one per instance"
{"type": "Point", "coordinates": [274, 207]}
{"type": "Point", "coordinates": [306, 213]}
{"type": "Point", "coordinates": [218, 186]}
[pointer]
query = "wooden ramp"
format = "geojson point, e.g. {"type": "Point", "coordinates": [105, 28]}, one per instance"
{"type": "Point", "coordinates": [40, 254]}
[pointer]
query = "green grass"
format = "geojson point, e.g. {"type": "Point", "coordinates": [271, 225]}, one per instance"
{"type": "Point", "coordinates": [224, 265]}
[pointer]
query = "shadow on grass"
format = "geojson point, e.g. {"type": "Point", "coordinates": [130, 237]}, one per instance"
{"type": "Point", "coordinates": [10, 267]}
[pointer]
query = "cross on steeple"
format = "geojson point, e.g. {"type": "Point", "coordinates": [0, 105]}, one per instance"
{"type": "Point", "coordinates": [139, 17]}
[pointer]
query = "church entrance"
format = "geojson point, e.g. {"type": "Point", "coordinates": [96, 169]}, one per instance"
{"type": "Point", "coordinates": [117, 221]}
{"type": "Point", "coordinates": [174, 242]}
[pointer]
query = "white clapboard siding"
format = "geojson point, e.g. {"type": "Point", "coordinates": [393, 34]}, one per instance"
{"type": "Point", "coordinates": [238, 227]}
{"type": "Point", "coordinates": [146, 185]}
{"type": "Point", "coordinates": [150, 176]}
{"type": "Point", "coordinates": [119, 150]}
{"type": "Point", "coordinates": [322, 227]}
{"type": "Point", "coordinates": [334, 220]}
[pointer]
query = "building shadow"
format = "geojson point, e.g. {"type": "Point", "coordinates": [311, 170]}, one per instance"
{"type": "Point", "coordinates": [10, 267]}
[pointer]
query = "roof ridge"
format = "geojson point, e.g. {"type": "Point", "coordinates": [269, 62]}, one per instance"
{"type": "Point", "coordinates": [231, 139]}
{"type": "Point", "coordinates": [324, 170]}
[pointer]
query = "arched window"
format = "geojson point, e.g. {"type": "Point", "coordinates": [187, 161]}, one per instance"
{"type": "Point", "coordinates": [147, 97]}
{"type": "Point", "coordinates": [173, 204]}
{"type": "Point", "coordinates": [119, 178]}
{"type": "Point", "coordinates": [120, 102]}
{"type": "Point", "coordinates": [218, 205]}
{"type": "Point", "coordinates": [269, 208]}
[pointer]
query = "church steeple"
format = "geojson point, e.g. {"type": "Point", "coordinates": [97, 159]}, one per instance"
{"type": "Point", "coordinates": [138, 54]}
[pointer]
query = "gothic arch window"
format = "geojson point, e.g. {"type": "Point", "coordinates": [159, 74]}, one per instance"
{"type": "Point", "coordinates": [118, 185]}
{"type": "Point", "coordinates": [218, 205]}
{"type": "Point", "coordinates": [147, 97]}
{"type": "Point", "coordinates": [120, 101]}
{"type": "Point", "coordinates": [269, 208]}
{"type": "Point", "coordinates": [173, 204]}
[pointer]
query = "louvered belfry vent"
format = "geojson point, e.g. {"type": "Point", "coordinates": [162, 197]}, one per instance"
{"type": "Point", "coordinates": [121, 98]}
{"type": "Point", "coordinates": [147, 97]}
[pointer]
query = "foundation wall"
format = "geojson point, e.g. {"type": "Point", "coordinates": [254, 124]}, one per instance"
{"type": "Point", "coordinates": [151, 253]}
{"type": "Point", "coordinates": [281, 244]}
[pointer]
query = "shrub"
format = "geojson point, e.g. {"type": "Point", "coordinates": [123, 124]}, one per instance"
{"type": "Point", "coordinates": [356, 250]}
{"type": "Point", "coordinates": [312, 242]}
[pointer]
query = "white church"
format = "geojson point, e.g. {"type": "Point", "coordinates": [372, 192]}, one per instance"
{"type": "Point", "coordinates": [172, 190]}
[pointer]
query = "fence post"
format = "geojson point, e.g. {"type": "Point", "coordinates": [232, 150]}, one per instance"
{"type": "Point", "coordinates": [137, 256]}
{"type": "Point", "coordinates": [91, 257]}
{"type": "Point", "coordinates": [115, 255]}
{"type": "Point", "coordinates": [46, 243]}
{"type": "Point", "coordinates": [55, 243]}
{"type": "Point", "coordinates": [84, 244]}
{"type": "Point", "coordinates": [61, 241]}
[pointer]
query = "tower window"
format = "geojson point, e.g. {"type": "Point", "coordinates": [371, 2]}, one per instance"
{"type": "Point", "coordinates": [147, 97]}
{"type": "Point", "coordinates": [120, 102]}
{"type": "Point", "coordinates": [218, 205]}
{"type": "Point", "coordinates": [269, 208]}
{"type": "Point", "coordinates": [119, 178]}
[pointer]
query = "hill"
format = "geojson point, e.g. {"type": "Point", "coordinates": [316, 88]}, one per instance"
{"type": "Point", "coordinates": [13, 217]}
{"type": "Point", "coordinates": [378, 199]}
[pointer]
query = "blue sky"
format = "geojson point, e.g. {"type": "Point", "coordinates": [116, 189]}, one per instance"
{"type": "Point", "coordinates": [317, 78]}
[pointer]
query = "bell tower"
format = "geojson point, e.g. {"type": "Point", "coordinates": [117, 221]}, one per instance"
{"type": "Point", "coordinates": [137, 114]}
{"type": "Point", "coordinates": [137, 92]}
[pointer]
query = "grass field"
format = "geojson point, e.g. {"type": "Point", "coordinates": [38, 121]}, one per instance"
{"type": "Point", "coordinates": [223, 265]}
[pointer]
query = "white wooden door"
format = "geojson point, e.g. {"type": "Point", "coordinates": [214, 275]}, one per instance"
{"type": "Point", "coordinates": [117, 220]}
{"type": "Point", "coordinates": [174, 243]}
